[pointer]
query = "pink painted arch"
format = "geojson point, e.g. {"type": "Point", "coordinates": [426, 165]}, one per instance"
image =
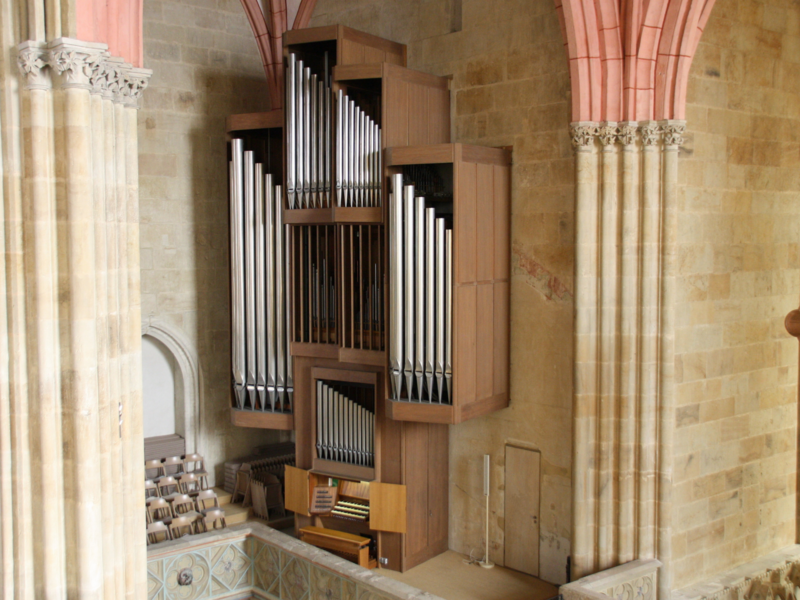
{"type": "Point", "coordinates": [630, 59]}
{"type": "Point", "coordinates": [117, 23]}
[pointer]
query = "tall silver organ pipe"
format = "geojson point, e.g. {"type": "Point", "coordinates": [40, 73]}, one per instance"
{"type": "Point", "coordinates": [419, 295]}
{"type": "Point", "coordinates": [396, 284]}
{"type": "Point", "coordinates": [250, 273]}
{"type": "Point", "coordinates": [261, 364]}
{"type": "Point", "coordinates": [237, 270]}
{"type": "Point", "coordinates": [291, 132]}
{"type": "Point", "coordinates": [345, 428]}
{"type": "Point", "coordinates": [265, 289]}
{"type": "Point", "coordinates": [448, 307]}
{"type": "Point", "coordinates": [440, 307]}
{"type": "Point", "coordinates": [420, 298]}
{"type": "Point", "coordinates": [408, 289]}
{"type": "Point", "coordinates": [308, 135]}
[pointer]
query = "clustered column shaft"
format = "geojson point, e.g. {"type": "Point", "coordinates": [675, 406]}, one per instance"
{"type": "Point", "coordinates": [72, 514]}
{"type": "Point", "coordinates": [624, 342]}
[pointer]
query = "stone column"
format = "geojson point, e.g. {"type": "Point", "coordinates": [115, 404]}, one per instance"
{"type": "Point", "coordinates": [79, 278]}
{"type": "Point", "coordinates": [624, 342]}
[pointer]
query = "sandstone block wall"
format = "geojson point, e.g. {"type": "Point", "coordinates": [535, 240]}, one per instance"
{"type": "Point", "coordinates": [739, 228]}
{"type": "Point", "coordinates": [205, 67]}
{"type": "Point", "coordinates": [510, 87]}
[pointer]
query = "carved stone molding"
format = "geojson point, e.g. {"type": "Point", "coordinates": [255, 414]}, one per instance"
{"type": "Point", "coordinates": [68, 63]}
{"type": "Point", "coordinates": [648, 133]}
{"type": "Point", "coordinates": [673, 132]}
{"type": "Point", "coordinates": [607, 133]}
{"type": "Point", "coordinates": [583, 135]}
{"type": "Point", "coordinates": [627, 133]}
{"type": "Point", "coordinates": [33, 61]}
{"type": "Point", "coordinates": [636, 580]}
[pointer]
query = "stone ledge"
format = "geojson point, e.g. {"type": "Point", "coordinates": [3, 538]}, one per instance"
{"type": "Point", "coordinates": [382, 588]}
{"type": "Point", "coordinates": [733, 584]}
{"type": "Point", "coordinates": [612, 583]}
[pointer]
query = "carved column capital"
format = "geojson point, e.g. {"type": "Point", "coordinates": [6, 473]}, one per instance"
{"type": "Point", "coordinates": [607, 133]}
{"type": "Point", "coordinates": [33, 61]}
{"type": "Point", "coordinates": [627, 133]}
{"type": "Point", "coordinates": [583, 134]}
{"type": "Point", "coordinates": [136, 81]}
{"type": "Point", "coordinates": [673, 132]}
{"type": "Point", "coordinates": [650, 133]}
{"type": "Point", "coordinates": [76, 61]}
{"type": "Point", "coordinates": [67, 63]}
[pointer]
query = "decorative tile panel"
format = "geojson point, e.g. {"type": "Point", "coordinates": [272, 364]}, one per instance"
{"type": "Point", "coordinates": [325, 585]}
{"type": "Point", "coordinates": [187, 577]}
{"type": "Point", "coordinates": [294, 578]}
{"type": "Point", "coordinates": [267, 569]}
{"type": "Point", "coordinates": [349, 590]}
{"type": "Point", "coordinates": [365, 593]}
{"type": "Point", "coordinates": [254, 560]}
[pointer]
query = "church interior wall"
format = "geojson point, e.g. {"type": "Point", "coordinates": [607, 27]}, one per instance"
{"type": "Point", "coordinates": [738, 233]}
{"type": "Point", "coordinates": [510, 86]}
{"type": "Point", "coordinates": [736, 423]}
{"type": "Point", "coordinates": [205, 67]}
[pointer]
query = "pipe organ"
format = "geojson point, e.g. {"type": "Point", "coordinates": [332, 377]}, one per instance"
{"type": "Point", "coordinates": [387, 321]}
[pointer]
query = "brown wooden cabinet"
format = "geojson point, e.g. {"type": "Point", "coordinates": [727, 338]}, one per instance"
{"type": "Point", "coordinates": [477, 182]}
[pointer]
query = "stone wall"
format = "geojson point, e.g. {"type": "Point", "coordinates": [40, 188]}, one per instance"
{"type": "Point", "coordinates": [739, 228]}
{"type": "Point", "coordinates": [509, 88]}
{"type": "Point", "coordinates": [205, 67]}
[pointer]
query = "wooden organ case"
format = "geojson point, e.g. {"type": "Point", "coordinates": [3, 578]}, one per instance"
{"type": "Point", "coordinates": [383, 446]}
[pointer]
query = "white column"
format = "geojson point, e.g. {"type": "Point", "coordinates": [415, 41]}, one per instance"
{"type": "Point", "coordinates": [584, 476]}
{"type": "Point", "coordinates": [75, 222]}
{"type": "Point", "coordinates": [624, 343]}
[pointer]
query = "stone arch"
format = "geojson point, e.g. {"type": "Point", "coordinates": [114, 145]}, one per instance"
{"type": "Point", "coordinates": [631, 61]}
{"type": "Point", "coordinates": [188, 380]}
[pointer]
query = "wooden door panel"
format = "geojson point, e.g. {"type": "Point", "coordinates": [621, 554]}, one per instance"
{"type": "Point", "coordinates": [297, 490]}
{"type": "Point", "coordinates": [387, 507]}
{"type": "Point", "coordinates": [522, 510]}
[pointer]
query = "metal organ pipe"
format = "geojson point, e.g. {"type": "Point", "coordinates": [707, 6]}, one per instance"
{"type": "Point", "coordinates": [261, 363]}
{"type": "Point", "coordinates": [345, 428]}
{"type": "Point", "coordinates": [420, 299]}
{"type": "Point", "coordinates": [396, 284]}
{"type": "Point", "coordinates": [237, 270]}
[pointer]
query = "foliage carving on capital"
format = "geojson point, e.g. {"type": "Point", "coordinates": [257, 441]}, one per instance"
{"type": "Point", "coordinates": [583, 135]}
{"type": "Point", "coordinates": [650, 133]}
{"type": "Point", "coordinates": [75, 66]}
{"type": "Point", "coordinates": [135, 85]}
{"type": "Point", "coordinates": [33, 64]}
{"type": "Point", "coordinates": [673, 134]}
{"type": "Point", "coordinates": [608, 134]}
{"type": "Point", "coordinates": [82, 65]}
{"type": "Point", "coordinates": [627, 134]}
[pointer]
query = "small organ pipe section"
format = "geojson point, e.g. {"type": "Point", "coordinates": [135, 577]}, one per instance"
{"type": "Point", "coordinates": [345, 428]}
{"type": "Point", "coordinates": [420, 301]}
{"type": "Point", "coordinates": [308, 135]}
{"type": "Point", "coordinates": [358, 156]}
{"type": "Point", "coordinates": [318, 141]}
{"type": "Point", "coordinates": [261, 362]}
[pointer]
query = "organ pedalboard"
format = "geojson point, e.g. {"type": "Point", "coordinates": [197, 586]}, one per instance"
{"type": "Point", "coordinates": [387, 252]}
